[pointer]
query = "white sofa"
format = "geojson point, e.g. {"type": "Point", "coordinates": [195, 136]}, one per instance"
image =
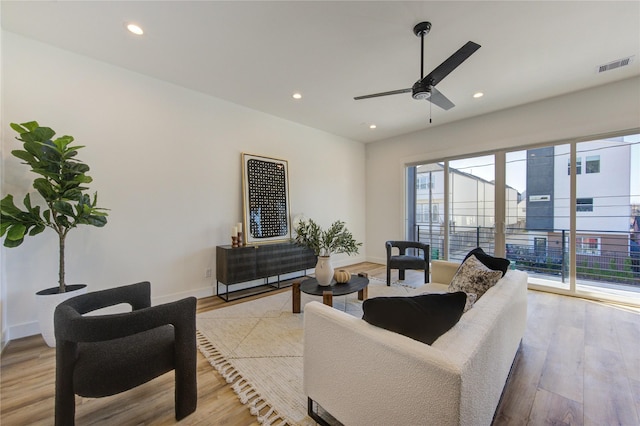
{"type": "Point", "coordinates": [365, 375]}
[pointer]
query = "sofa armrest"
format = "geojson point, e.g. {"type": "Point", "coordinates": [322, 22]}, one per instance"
{"type": "Point", "coordinates": [366, 375]}
{"type": "Point", "coordinates": [442, 271]}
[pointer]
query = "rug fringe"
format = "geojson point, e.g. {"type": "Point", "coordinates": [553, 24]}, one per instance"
{"type": "Point", "coordinates": [245, 391]}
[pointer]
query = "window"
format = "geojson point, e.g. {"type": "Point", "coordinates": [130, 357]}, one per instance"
{"type": "Point", "coordinates": [584, 204]}
{"type": "Point", "coordinates": [537, 227]}
{"type": "Point", "coordinates": [423, 182]}
{"type": "Point", "coordinates": [578, 166]}
{"type": "Point", "coordinates": [593, 164]}
{"type": "Point", "coordinates": [588, 245]}
{"type": "Point", "coordinates": [422, 213]}
{"type": "Point", "coordinates": [435, 215]}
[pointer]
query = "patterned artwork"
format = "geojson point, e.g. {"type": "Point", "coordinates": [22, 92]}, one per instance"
{"type": "Point", "coordinates": [266, 199]}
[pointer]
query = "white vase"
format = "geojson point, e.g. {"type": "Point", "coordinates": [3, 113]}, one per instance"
{"type": "Point", "coordinates": [46, 302]}
{"type": "Point", "coordinates": [324, 270]}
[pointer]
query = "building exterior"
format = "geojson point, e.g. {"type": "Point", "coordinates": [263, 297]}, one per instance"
{"type": "Point", "coordinates": [472, 209]}
{"type": "Point", "coordinates": [603, 207]}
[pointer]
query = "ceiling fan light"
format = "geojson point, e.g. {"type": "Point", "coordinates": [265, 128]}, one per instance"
{"type": "Point", "coordinates": [422, 95]}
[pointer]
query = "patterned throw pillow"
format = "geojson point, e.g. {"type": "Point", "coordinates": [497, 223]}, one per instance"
{"type": "Point", "coordinates": [473, 277]}
{"type": "Point", "coordinates": [471, 299]}
{"type": "Point", "coordinates": [495, 263]}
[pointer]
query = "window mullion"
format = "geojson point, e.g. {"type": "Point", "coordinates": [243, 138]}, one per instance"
{"type": "Point", "coordinates": [572, 219]}
{"type": "Point", "coordinates": [500, 203]}
{"type": "Point", "coordinates": [447, 219]}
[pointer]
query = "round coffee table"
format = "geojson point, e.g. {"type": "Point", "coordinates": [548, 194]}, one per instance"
{"type": "Point", "coordinates": [357, 283]}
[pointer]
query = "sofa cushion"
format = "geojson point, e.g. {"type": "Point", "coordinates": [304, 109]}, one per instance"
{"type": "Point", "coordinates": [491, 262]}
{"type": "Point", "coordinates": [424, 317]}
{"type": "Point", "coordinates": [474, 277]}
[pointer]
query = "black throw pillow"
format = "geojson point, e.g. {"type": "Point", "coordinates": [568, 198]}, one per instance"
{"type": "Point", "coordinates": [494, 263]}
{"type": "Point", "coordinates": [424, 317]}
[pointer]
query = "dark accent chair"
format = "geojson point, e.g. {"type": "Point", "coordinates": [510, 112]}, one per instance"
{"type": "Point", "coordinates": [103, 355]}
{"type": "Point", "coordinates": [403, 261]}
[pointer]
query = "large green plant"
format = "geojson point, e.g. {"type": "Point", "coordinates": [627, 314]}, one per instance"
{"type": "Point", "coordinates": [61, 185]}
{"type": "Point", "coordinates": [336, 239]}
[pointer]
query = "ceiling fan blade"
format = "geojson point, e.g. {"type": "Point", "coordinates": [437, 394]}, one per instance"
{"type": "Point", "coordinates": [375, 95]}
{"type": "Point", "coordinates": [442, 70]}
{"type": "Point", "coordinates": [437, 98]}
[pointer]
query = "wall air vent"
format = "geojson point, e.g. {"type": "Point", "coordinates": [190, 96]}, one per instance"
{"type": "Point", "coordinates": [615, 64]}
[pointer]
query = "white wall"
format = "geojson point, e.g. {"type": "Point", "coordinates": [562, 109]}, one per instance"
{"type": "Point", "coordinates": [166, 161]}
{"type": "Point", "coordinates": [3, 336]}
{"type": "Point", "coordinates": [595, 111]}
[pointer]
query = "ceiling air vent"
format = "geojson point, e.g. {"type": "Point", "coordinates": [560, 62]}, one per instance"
{"type": "Point", "coordinates": [615, 64]}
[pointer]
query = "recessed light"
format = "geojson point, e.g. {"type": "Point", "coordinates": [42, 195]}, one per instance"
{"type": "Point", "coordinates": [296, 96]}
{"type": "Point", "coordinates": [372, 126]}
{"type": "Point", "coordinates": [135, 29]}
{"type": "Point", "coordinates": [478, 95]}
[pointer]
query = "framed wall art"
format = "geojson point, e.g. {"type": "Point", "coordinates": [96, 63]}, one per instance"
{"type": "Point", "coordinates": [265, 186]}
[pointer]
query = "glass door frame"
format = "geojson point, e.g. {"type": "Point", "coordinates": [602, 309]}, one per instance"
{"type": "Point", "coordinates": [500, 211]}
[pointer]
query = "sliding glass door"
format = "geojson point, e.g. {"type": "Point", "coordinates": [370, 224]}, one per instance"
{"type": "Point", "coordinates": [471, 205]}
{"type": "Point", "coordinates": [536, 224]}
{"type": "Point", "coordinates": [568, 214]}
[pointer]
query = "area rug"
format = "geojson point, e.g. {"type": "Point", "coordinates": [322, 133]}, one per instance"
{"type": "Point", "coordinates": [257, 347]}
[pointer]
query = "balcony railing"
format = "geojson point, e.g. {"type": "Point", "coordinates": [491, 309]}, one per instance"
{"type": "Point", "coordinates": [602, 256]}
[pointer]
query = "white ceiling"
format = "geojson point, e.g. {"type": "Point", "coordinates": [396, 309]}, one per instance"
{"type": "Point", "coordinates": [257, 54]}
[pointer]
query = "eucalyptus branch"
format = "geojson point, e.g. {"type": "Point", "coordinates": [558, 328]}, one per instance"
{"type": "Point", "coordinates": [336, 239]}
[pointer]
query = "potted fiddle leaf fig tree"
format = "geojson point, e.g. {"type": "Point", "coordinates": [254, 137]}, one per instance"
{"type": "Point", "coordinates": [61, 182]}
{"type": "Point", "coordinates": [336, 239]}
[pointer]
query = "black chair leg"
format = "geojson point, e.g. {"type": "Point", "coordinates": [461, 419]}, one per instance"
{"type": "Point", "coordinates": [401, 274]}
{"type": "Point", "coordinates": [65, 399]}
{"type": "Point", "coordinates": [388, 276]}
{"type": "Point", "coordinates": [186, 396]}
{"type": "Point", "coordinates": [426, 275]}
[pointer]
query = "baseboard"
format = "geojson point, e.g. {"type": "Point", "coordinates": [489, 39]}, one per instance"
{"type": "Point", "coordinates": [378, 260]}
{"type": "Point", "coordinates": [3, 340]}
{"type": "Point", "coordinates": [33, 328]}
{"type": "Point", "coordinates": [198, 294]}
{"type": "Point", "coordinates": [22, 330]}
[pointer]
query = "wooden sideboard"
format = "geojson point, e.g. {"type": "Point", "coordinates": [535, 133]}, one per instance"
{"type": "Point", "coordinates": [235, 265]}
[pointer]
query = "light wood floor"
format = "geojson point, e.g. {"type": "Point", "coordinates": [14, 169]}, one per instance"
{"type": "Point", "coordinates": [580, 364]}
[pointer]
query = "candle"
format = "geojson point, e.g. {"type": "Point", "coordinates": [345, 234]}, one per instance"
{"type": "Point", "coordinates": [239, 226]}
{"type": "Point", "coordinates": [234, 231]}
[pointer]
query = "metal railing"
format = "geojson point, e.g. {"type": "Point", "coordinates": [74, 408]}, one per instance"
{"type": "Point", "coordinates": [612, 257]}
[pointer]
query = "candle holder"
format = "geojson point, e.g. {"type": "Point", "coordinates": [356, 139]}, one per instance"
{"type": "Point", "coordinates": [239, 237]}
{"type": "Point", "coordinates": [234, 241]}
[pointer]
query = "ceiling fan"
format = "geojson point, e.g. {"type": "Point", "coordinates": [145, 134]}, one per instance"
{"type": "Point", "coordinates": [424, 88]}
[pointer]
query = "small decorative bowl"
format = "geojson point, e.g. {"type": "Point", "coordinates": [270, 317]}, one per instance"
{"type": "Point", "coordinates": [342, 276]}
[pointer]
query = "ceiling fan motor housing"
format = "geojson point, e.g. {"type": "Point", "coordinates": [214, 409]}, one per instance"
{"type": "Point", "coordinates": [421, 90]}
